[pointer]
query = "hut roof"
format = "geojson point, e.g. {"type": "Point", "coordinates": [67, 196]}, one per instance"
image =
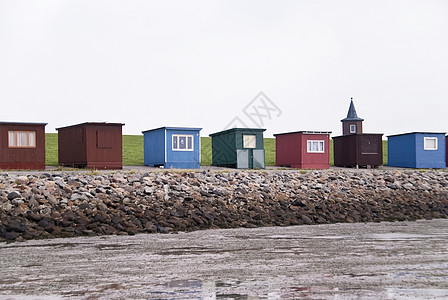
{"type": "Point", "coordinates": [352, 115]}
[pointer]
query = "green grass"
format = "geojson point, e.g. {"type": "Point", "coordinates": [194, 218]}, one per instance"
{"type": "Point", "coordinates": [51, 149]}
{"type": "Point", "coordinates": [331, 153]}
{"type": "Point", "coordinates": [269, 151]}
{"type": "Point", "coordinates": [206, 151]}
{"type": "Point", "coordinates": [133, 150]}
{"type": "Point", "coordinates": [384, 153]}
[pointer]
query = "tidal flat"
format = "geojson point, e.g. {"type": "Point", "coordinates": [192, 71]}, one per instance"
{"type": "Point", "coordinates": [386, 260]}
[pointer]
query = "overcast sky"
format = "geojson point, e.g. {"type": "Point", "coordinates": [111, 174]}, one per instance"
{"type": "Point", "coordinates": [150, 64]}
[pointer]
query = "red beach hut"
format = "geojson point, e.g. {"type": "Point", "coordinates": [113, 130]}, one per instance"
{"type": "Point", "coordinates": [91, 145]}
{"type": "Point", "coordinates": [22, 145]}
{"type": "Point", "coordinates": [303, 149]}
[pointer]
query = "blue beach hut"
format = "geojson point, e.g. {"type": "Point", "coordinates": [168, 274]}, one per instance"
{"type": "Point", "coordinates": [417, 150]}
{"type": "Point", "coordinates": [172, 147]}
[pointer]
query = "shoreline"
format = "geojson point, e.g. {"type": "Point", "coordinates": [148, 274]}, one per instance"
{"type": "Point", "coordinates": [53, 204]}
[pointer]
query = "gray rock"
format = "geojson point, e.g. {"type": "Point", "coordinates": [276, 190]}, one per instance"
{"type": "Point", "coordinates": [77, 196]}
{"type": "Point", "coordinates": [7, 206]}
{"type": "Point", "coordinates": [16, 201]}
{"type": "Point", "coordinates": [408, 186]}
{"type": "Point", "coordinates": [13, 195]}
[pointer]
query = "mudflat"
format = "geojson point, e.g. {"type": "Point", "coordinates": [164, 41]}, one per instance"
{"type": "Point", "coordinates": [388, 260]}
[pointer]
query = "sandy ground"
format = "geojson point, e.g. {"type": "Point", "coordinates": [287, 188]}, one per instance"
{"type": "Point", "coordinates": [401, 260]}
{"type": "Point", "coordinates": [53, 169]}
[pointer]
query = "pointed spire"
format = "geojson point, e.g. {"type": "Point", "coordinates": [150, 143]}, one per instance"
{"type": "Point", "coordinates": [352, 115]}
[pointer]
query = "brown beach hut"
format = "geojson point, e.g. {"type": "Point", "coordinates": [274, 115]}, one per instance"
{"type": "Point", "coordinates": [91, 145]}
{"type": "Point", "coordinates": [355, 148]}
{"type": "Point", "coordinates": [22, 146]}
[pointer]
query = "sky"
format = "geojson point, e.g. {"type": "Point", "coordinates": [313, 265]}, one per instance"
{"type": "Point", "coordinates": [281, 65]}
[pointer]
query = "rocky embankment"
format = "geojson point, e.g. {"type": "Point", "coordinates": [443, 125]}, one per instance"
{"type": "Point", "coordinates": [72, 204]}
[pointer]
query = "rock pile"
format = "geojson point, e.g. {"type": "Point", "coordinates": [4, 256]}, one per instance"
{"type": "Point", "coordinates": [72, 204]}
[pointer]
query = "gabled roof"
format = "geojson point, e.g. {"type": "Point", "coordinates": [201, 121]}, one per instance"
{"type": "Point", "coordinates": [352, 115]}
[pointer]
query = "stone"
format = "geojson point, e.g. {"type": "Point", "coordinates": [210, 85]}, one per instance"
{"type": "Point", "coordinates": [22, 180]}
{"type": "Point", "coordinates": [77, 196]}
{"type": "Point", "coordinates": [206, 194]}
{"type": "Point", "coordinates": [408, 186]}
{"type": "Point", "coordinates": [13, 195]}
{"type": "Point", "coordinates": [7, 206]}
{"type": "Point", "coordinates": [306, 219]}
{"type": "Point", "coordinates": [11, 236]}
{"type": "Point", "coordinates": [15, 225]}
{"type": "Point", "coordinates": [72, 204]}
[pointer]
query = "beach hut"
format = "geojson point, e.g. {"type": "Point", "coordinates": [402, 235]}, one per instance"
{"type": "Point", "coordinates": [22, 146]}
{"type": "Point", "coordinates": [355, 148]}
{"type": "Point", "coordinates": [303, 149]}
{"type": "Point", "coordinates": [240, 148]}
{"type": "Point", "coordinates": [91, 145]}
{"type": "Point", "coordinates": [358, 150]}
{"type": "Point", "coordinates": [172, 147]}
{"type": "Point", "coordinates": [417, 150]}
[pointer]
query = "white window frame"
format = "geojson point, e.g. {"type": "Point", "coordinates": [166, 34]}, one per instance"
{"type": "Point", "coordinates": [352, 128]}
{"type": "Point", "coordinates": [175, 141]}
{"type": "Point", "coordinates": [13, 139]}
{"type": "Point", "coordinates": [249, 141]}
{"type": "Point", "coordinates": [309, 146]}
{"type": "Point", "coordinates": [430, 138]}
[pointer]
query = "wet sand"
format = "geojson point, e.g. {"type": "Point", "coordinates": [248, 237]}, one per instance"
{"type": "Point", "coordinates": [400, 260]}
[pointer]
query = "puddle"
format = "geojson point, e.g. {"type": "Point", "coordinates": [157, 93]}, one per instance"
{"type": "Point", "coordinates": [114, 247]}
{"type": "Point", "coordinates": [409, 293]}
{"type": "Point", "coordinates": [329, 237]}
{"type": "Point", "coordinates": [198, 289]}
{"type": "Point", "coordinates": [49, 245]}
{"type": "Point", "coordinates": [178, 289]}
{"type": "Point", "coordinates": [398, 236]}
{"type": "Point", "coordinates": [27, 297]}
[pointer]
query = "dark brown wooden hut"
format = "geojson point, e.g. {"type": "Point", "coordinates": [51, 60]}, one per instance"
{"type": "Point", "coordinates": [355, 148]}
{"type": "Point", "coordinates": [91, 145]}
{"type": "Point", "coordinates": [358, 150]}
{"type": "Point", "coordinates": [22, 146]}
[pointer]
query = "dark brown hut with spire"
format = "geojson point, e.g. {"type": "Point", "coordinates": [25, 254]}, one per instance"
{"type": "Point", "coordinates": [355, 148]}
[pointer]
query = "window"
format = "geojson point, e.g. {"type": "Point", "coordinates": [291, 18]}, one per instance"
{"type": "Point", "coordinates": [315, 146]}
{"type": "Point", "coordinates": [182, 142]}
{"type": "Point", "coordinates": [353, 128]}
{"type": "Point", "coordinates": [22, 139]}
{"type": "Point", "coordinates": [249, 141]}
{"type": "Point", "coordinates": [430, 143]}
